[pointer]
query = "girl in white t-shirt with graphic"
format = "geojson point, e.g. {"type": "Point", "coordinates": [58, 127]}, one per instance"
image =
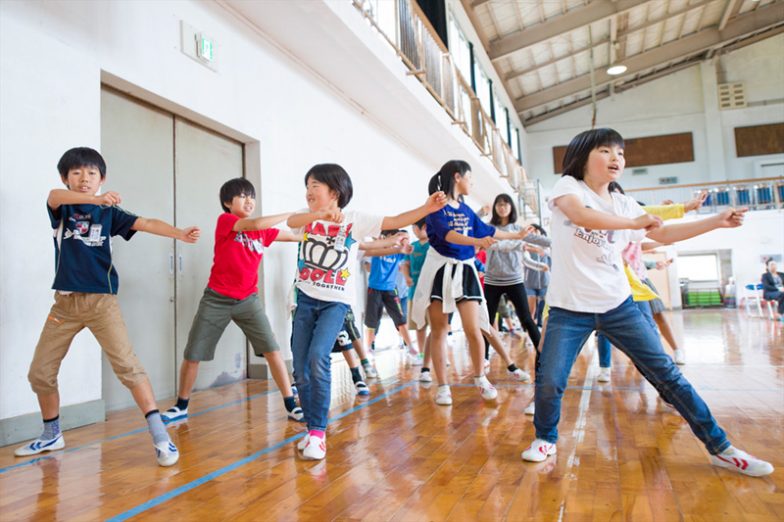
{"type": "Point", "coordinates": [327, 272]}
{"type": "Point", "coordinates": [589, 291]}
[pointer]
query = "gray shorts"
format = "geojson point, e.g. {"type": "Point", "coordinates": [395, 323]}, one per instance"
{"type": "Point", "coordinates": [212, 318]}
{"type": "Point", "coordinates": [657, 305]}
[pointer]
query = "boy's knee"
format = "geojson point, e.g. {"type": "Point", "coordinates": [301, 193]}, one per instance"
{"type": "Point", "coordinates": [130, 373]}
{"type": "Point", "coordinates": [41, 381]}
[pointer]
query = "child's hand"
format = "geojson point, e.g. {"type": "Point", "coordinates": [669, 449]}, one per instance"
{"type": "Point", "coordinates": [109, 199]}
{"type": "Point", "coordinates": [545, 268]}
{"type": "Point", "coordinates": [695, 203]}
{"type": "Point", "coordinates": [435, 202]}
{"type": "Point", "coordinates": [406, 248]}
{"type": "Point", "coordinates": [401, 238]}
{"type": "Point", "coordinates": [731, 218]}
{"type": "Point", "coordinates": [648, 222]}
{"type": "Point", "coordinates": [409, 282]}
{"type": "Point", "coordinates": [485, 242]}
{"type": "Point", "coordinates": [335, 216]}
{"type": "Point", "coordinates": [190, 235]}
{"type": "Point", "coordinates": [525, 231]}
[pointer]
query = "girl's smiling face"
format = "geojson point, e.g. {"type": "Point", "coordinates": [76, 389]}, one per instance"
{"type": "Point", "coordinates": [605, 163]}
{"type": "Point", "coordinates": [320, 196]}
{"type": "Point", "coordinates": [503, 208]}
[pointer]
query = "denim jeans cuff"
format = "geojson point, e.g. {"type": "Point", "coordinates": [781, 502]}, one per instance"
{"type": "Point", "coordinates": [718, 448]}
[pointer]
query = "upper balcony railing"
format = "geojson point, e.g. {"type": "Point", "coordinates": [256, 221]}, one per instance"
{"type": "Point", "coordinates": [405, 27]}
{"type": "Point", "coordinates": [755, 194]}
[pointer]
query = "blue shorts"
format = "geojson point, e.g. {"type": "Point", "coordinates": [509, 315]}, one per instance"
{"type": "Point", "coordinates": [537, 292]}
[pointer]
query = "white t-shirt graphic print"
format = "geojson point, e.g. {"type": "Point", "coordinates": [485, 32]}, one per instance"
{"type": "Point", "coordinates": [327, 268]}
{"type": "Point", "coordinates": [587, 271]}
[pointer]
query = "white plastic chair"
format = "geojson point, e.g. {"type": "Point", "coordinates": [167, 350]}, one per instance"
{"type": "Point", "coordinates": [753, 292]}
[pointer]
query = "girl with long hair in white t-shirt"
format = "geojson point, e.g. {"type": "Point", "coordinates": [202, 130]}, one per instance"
{"type": "Point", "coordinates": [589, 291]}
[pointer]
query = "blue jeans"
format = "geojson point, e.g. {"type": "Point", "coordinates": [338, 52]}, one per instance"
{"type": "Point", "coordinates": [627, 328]}
{"type": "Point", "coordinates": [316, 326]}
{"type": "Point", "coordinates": [603, 345]}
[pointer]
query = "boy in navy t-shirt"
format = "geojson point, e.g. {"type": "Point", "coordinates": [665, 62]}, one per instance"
{"type": "Point", "coordinates": [85, 285]}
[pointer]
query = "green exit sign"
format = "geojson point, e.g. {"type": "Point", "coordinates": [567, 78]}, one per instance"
{"type": "Point", "coordinates": [205, 48]}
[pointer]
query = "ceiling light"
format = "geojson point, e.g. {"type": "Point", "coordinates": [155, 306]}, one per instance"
{"type": "Point", "coordinates": [615, 70]}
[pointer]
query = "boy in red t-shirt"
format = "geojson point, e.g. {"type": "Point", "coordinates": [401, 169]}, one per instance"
{"type": "Point", "coordinates": [232, 295]}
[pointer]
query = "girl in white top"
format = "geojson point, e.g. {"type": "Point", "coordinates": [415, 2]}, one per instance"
{"type": "Point", "coordinates": [590, 291]}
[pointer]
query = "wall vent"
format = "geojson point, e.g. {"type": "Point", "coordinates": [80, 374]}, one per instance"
{"type": "Point", "coordinates": [669, 180]}
{"type": "Point", "coordinates": [731, 96]}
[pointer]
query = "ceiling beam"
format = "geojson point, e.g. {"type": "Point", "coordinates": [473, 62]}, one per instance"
{"type": "Point", "coordinates": [557, 25]}
{"type": "Point", "coordinates": [622, 37]}
{"type": "Point", "coordinates": [605, 93]}
{"type": "Point", "coordinates": [747, 24]}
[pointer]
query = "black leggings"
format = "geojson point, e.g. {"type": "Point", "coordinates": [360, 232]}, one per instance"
{"type": "Point", "coordinates": [516, 294]}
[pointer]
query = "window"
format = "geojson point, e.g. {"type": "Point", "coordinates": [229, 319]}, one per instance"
{"type": "Point", "coordinates": [501, 121]}
{"type": "Point", "coordinates": [703, 267]}
{"type": "Point", "coordinates": [516, 148]}
{"type": "Point", "coordinates": [460, 50]}
{"type": "Point", "coordinates": [482, 87]}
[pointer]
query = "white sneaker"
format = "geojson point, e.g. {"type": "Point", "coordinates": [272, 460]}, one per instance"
{"type": "Point", "coordinates": [166, 453]}
{"type": "Point", "coordinates": [303, 441]}
{"type": "Point", "coordinates": [315, 449]}
{"type": "Point", "coordinates": [538, 451]}
{"type": "Point", "coordinates": [39, 446]}
{"type": "Point", "coordinates": [486, 389]}
{"type": "Point", "coordinates": [174, 414]}
{"type": "Point", "coordinates": [362, 388]}
{"type": "Point", "coordinates": [738, 460]}
{"type": "Point", "coordinates": [521, 375]}
{"type": "Point", "coordinates": [425, 377]}
{"type": "Point", "coordinates": [444, 396]}
{"type": "Point", "coordinates": [604, 375]}
{"type": "Point", "coordinates": [297, 414]}
{"type": "Point", "coordinates": [530, 409]}
{"type": "Point", "coordinates": [416, 359]}
{"type": "Point", "coordinates": [679, 356]}
{"type": "Point", "coordinates": [370, 372]}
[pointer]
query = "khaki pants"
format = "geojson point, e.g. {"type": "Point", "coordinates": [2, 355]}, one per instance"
{"type": "Point", "coordinates": [71, 313]}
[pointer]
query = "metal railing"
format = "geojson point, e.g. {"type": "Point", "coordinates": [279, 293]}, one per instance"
{"type": "Point", "coordinates": [756, 194]}
{"type": "Point", "coordinates": [405, 27]}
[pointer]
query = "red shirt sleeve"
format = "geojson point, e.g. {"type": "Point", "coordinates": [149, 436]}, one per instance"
{"type": "Point", "coordinates": [269, 235]}
{"type": "Point", "coordinates": [225, 224]}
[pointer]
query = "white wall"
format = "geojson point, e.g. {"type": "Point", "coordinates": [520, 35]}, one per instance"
{"type": "Point", "coordinates": [673, 104]}
{"type": "Point", "coordinates": [762, 234]}
{"type": "Point", "coordinates": [53, 57]}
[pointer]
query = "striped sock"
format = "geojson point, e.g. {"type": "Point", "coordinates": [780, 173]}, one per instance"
{"type": "Point", "coordinates": [51, 428]}
{"type": "Point", "coordinates": [156, 426]}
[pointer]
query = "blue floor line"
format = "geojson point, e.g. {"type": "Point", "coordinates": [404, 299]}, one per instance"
{"type": "Point", "coordinates": [129, 433]}
{"type": "Point", "coordinates": [141, 508]}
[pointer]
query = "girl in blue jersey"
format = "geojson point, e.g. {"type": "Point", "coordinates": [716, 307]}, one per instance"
{"type": "Point", "coordinates": [449, 281]}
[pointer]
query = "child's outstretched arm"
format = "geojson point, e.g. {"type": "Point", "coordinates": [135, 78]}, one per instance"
{"type": "Point", "coordinates": [260, 223]}
{"type": "Point", "coordinates": [58, 197]}
{"type": "Point", "coordinates": [161, 228]}
{"type": "Point", "coordinates": [389, 241]}
{"type": "Point", "coordinates": [306, 218]}
{"type": "Point", "coordinates": [582, 216]}
{"type": "Point", "coordinates": [730, 218]}
{"type": "Point", "coordinates": [285, 236]}
{"type": "Point", "coordinates": [434, 203]}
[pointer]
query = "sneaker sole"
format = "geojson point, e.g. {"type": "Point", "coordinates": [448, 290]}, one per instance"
{"type": "Point", "coordinates": [736, 469]}
{"type": "Point", "coordinates": [53, 447]}
{"type": "Point", "coordinates": [167, 420]}
{"type": "Point", "coordinates": [538, 457]}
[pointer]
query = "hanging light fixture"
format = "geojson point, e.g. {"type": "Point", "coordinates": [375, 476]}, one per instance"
{"type": "Point", "coordinates": [616, 69]}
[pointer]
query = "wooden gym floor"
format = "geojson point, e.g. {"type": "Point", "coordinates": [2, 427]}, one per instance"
{"type": "Point", "coordinates": [398, 456]}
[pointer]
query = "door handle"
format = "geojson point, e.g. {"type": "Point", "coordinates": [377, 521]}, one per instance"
{"type": "Point", "coordinates": [171, 264]}
{"type": "Point", "coordinates": [180, 259]}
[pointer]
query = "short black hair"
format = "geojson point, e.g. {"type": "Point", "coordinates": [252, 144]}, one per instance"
{"type": "Point", "coordinates": [336, 178]}
{"type": "Point", "coordinates": [539, 229]}
{"type": "Point", "coordinates": [81, 157]}
{"type": "Point", "coordinates": [614, 186]}
{"type": "Point", "coordinates": [391, 232]}
{"type": "Point", "coordinates": [580, 148]}
{"type": "Point", "coordinates": [233, 188]}
{"type": "Point", "coordinates": [420, 223]}
{"type": "Point", "coordinates": [496, 219]}
{"type": "Point", "coordinates": [444, 179]}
